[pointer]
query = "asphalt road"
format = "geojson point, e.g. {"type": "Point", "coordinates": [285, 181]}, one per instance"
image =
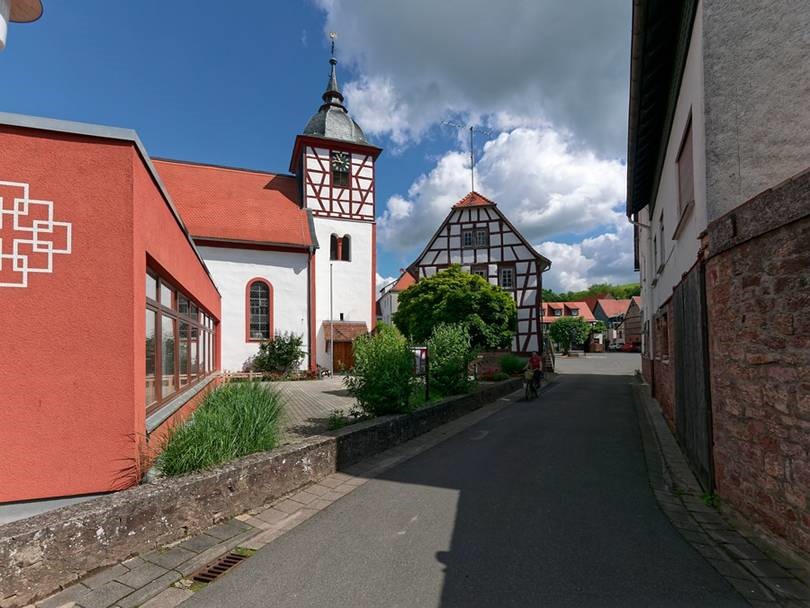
{"type": "Point", "coordinates": [545, 503]}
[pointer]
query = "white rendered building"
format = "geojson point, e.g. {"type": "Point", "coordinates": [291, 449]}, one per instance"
{"type": "Point", "coordinates": [289, 252]}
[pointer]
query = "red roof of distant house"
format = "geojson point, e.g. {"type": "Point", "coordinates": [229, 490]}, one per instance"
{"type": "Point", "coordinates": [614, 308]}
{"type": "Point", "coordinates": [404, 281]}
{"type": "Point", "coordinates": [637, 300]}
{"type": "Point", "coordinates": [583, 309]}
{"type": "Point", "coordinates": [473, 199]}
{"type": "Point", "coordinates": [236, 204]}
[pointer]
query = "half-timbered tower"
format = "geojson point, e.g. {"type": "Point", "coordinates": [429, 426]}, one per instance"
{"type": "Point", "coordinates": [334, 165]}
{"type": "Point", "coordinates": [483, 241]}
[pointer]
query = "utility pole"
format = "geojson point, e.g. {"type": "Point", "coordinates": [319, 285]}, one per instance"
{"type": "Point", "coordinates": [331, 325]}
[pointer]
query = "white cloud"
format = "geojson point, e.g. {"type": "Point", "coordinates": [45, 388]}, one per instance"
{"type": "Point", "coordinates": [521, 63]}
{"type": "Point", "coordinates": [606, 258]}
{"type": "Point", "coordinates": [383, 281]}
{"type": "Point", "coordinates": [543, 184]}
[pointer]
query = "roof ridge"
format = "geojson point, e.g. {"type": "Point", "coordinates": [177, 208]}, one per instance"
{"type": "Point", "coordinates": [194, 163]}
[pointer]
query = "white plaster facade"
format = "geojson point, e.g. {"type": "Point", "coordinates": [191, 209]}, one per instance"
{"type": "Point", "coordinates": [352, 293]}
{"type": "Point", "coordinates": [664, 254]}
{"type": "Point", "coordinates": [232, 270]}
{"type": "Point", "coordinates": [389, 302]}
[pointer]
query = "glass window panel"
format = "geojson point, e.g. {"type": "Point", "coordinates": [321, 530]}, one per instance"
{"type": "Point", "coordinates": [151, 388]}
{"type": "Point", "coordinates": [194, 333]}
{"type": "Point", "coordinates": [182, 304]}
{"type": "Point", "coordinates": [151, 287]}
{"type": "Point", "coordinates": [184, 361]}
{"type": "Point", "coordinates": [204, 355]}
{"type": "Point", "coordinates": [167, 352]}
{"type": "Point", "coordinates": [166, 293]}
{"type": "Point", "coordinates": [259, 311]}
{"type": "Point", "coordinates": [192, 311]}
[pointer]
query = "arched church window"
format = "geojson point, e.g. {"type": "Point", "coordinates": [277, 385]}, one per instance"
{"type": "Point", "coordinates": [259, 310]}
{"type": "Point", "coordinates": [333, 247]}
{"type": "Point", "coordinates": [340, 248]}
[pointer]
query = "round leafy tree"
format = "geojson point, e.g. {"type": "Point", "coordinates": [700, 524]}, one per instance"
{"type": "Point", "coordinates": [567, 331]}
{"type": "Point", "coordinates": [454, 296]}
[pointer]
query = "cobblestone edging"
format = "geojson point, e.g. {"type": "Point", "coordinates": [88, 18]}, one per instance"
{"type": "Point", "coordinates": [159, 579]}
{"type": "Point", "coordinates": [761, 575]}
{"type": "Point", "coordinates": [50, 551]}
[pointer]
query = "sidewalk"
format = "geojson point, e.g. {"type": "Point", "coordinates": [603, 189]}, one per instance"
{"type": "Point", "coordinates": [763, 575]}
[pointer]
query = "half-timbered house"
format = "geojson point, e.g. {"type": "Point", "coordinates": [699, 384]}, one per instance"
{"type": "Point", "coordinates": [479, 237]}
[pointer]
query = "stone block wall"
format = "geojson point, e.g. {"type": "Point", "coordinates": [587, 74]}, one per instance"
{"type": "Point", "coordinates": [663, 363]}
{"type": "Point", "coordinates": [758, 300]}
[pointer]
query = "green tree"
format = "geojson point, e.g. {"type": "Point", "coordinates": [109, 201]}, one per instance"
{"type": "Point", "coordinates": [454, 296]}
{"type": "Point", "coordinates": [281, 354]}
{"type": "Point", "coordinates": [567, 331]}
{"type": "Point", "coordinates": [599, 327]}
{"type": "Point", "coordinates": [450, 357]}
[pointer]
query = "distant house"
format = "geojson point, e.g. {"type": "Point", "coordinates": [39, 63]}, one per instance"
{"type": "Point", "coordinates": [612, 312]}
{"type": "Point", "coordinates": [479, 237]}
{"type": "Point", "coordinates": [632, 324]}
{"type": "Point", "coordinates": [552, 311]}
{"type": "Point", "coordinates": [388, 302]}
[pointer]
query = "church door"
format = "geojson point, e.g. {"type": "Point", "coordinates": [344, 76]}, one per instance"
{"type": "Point", "coordinates": [344, 358]}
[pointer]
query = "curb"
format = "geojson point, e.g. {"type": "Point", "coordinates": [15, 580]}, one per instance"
{"type": "Point", "coordinates": [759, 574]}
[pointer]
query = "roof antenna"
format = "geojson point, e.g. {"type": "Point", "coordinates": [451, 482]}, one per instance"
{"type": "Point", "coordinates": [472, 129]}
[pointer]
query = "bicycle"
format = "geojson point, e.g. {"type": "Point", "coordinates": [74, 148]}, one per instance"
{"type": "Point", "coordinates": [529, 385]}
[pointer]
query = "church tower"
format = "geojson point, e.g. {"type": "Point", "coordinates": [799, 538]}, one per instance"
{"type": "Point", "coordinates": [334, 165]}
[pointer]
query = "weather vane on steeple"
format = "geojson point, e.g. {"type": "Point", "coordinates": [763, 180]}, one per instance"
{"type": "Point", "coordinates": [333, 35]}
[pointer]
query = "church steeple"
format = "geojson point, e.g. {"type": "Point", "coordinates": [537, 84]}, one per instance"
{"type": "Point", "coordinates": [332, 120]}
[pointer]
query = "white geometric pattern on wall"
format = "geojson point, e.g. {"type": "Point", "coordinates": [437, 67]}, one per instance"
{"type": "Point", "coordinates": [29, 236]}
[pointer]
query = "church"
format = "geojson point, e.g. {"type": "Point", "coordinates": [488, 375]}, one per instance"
{"type": "Point", "coordinates": [289, 252]}
{"type": "Point", "coordinates": [129, 283]}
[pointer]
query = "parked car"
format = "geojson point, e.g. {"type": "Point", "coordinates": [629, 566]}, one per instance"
{"type": "Point", "coordinates": [614, 347]}
{"type": "Point", "coordinates": [630, 347]}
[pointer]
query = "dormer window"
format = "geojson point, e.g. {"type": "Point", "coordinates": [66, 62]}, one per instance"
{"type": "Point", "coordinates": [575, 312]}
{"type": "Point", "coordinates": [340, 169]}
{"type": "Point", "coordinates": [557, 312]}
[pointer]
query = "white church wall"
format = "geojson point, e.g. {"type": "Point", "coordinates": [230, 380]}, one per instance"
{"type": "Point", "coordinates": [232, 270]}
{"type": "Point", "coordinates": [352, 280]}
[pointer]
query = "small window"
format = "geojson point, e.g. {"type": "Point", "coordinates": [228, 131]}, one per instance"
{"type": "Point", "coordinates": [507, 277]}
{"type": "Point", "coordinates": [575, 312]}
{"type": "Point", "coordinates": [259, 311]}
{"type": "Point", "coordinates": [557, 312]}
{"type": "Point", "coordinates": [151, 287]}
{"type": "Point", "coordinates": [467, 239]}
{"type": "Point", "coordinates": [166, 295]}
{"type": "Point", "coordinates": [340, 248]}
{"type": "Point", "coordinates": [686, 180]}
{"type": "Point", "coordinates": [341, 164]}
{"type": "Point", "coordinates": [481, 238]}
{"type": "Point", "coordinates": [481, 271]}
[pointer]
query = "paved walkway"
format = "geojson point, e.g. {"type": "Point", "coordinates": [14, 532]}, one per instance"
{"type": "Point", "coordinates": [541, 504]}
{"type": "Point", "coordinates": [309, 403]}
{"type": "Point", "coordinates": [599, 363]}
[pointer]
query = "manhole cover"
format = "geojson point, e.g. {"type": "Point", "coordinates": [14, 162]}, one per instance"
{"type": "Point", "coordinates": [213, 571]}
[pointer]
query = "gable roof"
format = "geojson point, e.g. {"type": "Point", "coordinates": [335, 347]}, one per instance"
{"type": "Point", "coordinates": [613, 308]}
{"type": "Point", "coordinates": [237, 205]}
{"type": "Point", "coordinates": [549, 317]}
{"type": "Point", "coordinates": [404, 281]}
{"type": "Point", "coordinates": [473, 199]}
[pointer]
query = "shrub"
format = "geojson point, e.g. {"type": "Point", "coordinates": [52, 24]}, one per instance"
{"type": "Point", "coordinates": [568, 331]}
{"type": "Point", "coordinates": [512, 364]}
{"type": "Point", "coordinates": [282, 354]}
{"type": "Point", "coordinates": [234, 420]}
{"type": "Point", "coordinates": [382, 377]}
{"type": "Point", "coordinates": [450, 357]}
{"type": "Point", "coordinates": [500, 376]}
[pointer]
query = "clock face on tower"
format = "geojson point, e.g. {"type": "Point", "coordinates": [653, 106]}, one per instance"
{"type": "Point", "coordinates": [340, 161]}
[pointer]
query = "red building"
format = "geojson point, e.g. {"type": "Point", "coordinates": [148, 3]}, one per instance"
{"type": "Point", "coordinates": [93, 258]}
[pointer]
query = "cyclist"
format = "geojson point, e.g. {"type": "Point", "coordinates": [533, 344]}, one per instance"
{"type": "Point", "coordinates": [535, 364]}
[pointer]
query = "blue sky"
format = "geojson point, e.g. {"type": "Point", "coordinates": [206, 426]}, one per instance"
{"type": "Point", "coordinates": [200, 83]}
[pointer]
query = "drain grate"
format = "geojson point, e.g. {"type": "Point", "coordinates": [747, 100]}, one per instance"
{"type": "Point", "coordinates": [213, 571]}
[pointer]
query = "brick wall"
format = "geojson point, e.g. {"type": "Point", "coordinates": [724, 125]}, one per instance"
{"type": "Point", "coordinates": [758, 297]}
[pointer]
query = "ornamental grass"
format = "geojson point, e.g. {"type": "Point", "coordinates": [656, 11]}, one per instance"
{"type": "Point", "coordinates": [234, 420]}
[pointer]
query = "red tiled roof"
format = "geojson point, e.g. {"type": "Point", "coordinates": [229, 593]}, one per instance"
{"type": "Point", "coordinates": [236, 204]}
{"type": "Point", "coordinates": [637, 300]}
{"type": "Point", "coordinates": [582, 307]}
{"type": "Point", "coordinates": [345, 331]}
{"type": "Point", "coordinates": [614, 308]}
{"type": "Point", "coordinates": [473, 199]}
{"type": "Point", "coordinates": [404, 281]}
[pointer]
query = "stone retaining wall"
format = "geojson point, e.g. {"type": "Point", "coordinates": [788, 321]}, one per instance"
{"type": "Point", "coordinates": [41, 554]}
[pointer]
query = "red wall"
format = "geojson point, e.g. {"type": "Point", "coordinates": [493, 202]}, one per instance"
{"type": "Point", "coordinates": [72, 350]}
